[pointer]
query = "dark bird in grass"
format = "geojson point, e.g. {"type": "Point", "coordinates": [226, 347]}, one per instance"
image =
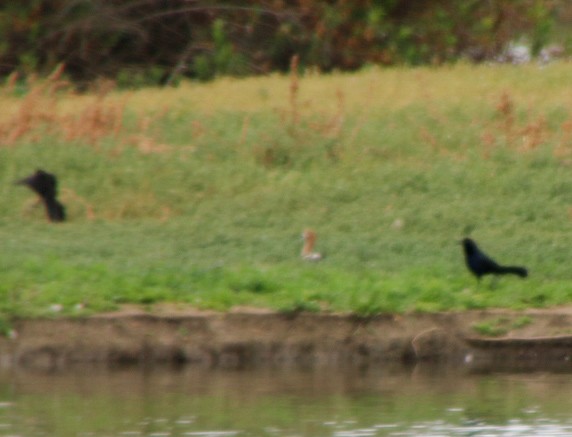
{"type": "Point", "coordinates": [481, 264]}
{"type": "Point", "coordinates": [45, 185]}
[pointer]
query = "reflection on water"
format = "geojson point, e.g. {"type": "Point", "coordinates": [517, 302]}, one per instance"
{"type": "Point", "coordinates": [424, 401]}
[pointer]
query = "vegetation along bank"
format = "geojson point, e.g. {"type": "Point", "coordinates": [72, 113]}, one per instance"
{"type": "Point", "coordinates": [198, 195]}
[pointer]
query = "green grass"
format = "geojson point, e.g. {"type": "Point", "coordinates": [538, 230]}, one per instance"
{"type": "Point", "coordinates": [204, 203]}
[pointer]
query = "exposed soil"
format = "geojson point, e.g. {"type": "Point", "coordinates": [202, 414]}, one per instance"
{"type": "Point", "coordinates": [249, 338]}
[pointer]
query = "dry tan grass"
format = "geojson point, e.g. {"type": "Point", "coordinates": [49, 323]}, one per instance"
{"type": "Point", "coordinates": [371, 90]}
{"type": "Point", "coordinates": [46, 110]}
{"type": "Point", "coordinates": [51, 107]}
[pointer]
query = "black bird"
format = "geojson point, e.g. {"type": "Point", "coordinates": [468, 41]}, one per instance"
{"type": "Point", "coordinates": [46, 186]}
{"type": "Point", "coordinates": [480, 264]}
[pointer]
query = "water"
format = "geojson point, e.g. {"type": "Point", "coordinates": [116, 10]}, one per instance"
{"type": "Point", "coordinates": [421, 401]}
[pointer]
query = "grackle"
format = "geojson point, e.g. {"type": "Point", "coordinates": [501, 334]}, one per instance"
{"type": "Point", "coordinates": [45, 185]}
{"type": "Point", "coordinates": [480, 264]}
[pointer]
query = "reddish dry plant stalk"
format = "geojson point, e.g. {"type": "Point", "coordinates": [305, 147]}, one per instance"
{"type": "Point", "coordinates": [525, 137]}
{"type": "Point", "coordinates": [489, 143]}
{"type": "Point", "coordinates": [101, 119]}
{"type": "Point", "coordinates": [294, 88]}
{"type": "Point", "coordinates": [37, 113]}
{"type": "Point", "coordinates": [533, 134]}
{"type": "Point", "coordinates": [505, 110]}
{"type": "Point", "coordinates": [563, 149]}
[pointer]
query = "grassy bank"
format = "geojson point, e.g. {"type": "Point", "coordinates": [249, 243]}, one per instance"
{"type": "Point", "coordinates": [199, 194]}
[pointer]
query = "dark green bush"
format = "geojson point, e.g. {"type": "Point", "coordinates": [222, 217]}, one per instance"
{"type": "Point", "coordinates": [202, 39]}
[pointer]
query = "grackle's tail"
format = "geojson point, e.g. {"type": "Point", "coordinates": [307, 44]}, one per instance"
{"type": "Point", "coordinates": [520, 271]}
{"type": "Point", "coordinates": [56, 211]}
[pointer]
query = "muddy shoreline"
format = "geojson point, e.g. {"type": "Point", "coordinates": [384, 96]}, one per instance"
{"type": "Point", "coordinates": [247, 338]}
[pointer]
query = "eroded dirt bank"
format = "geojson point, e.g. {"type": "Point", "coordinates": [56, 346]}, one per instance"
{"type": "Point", "coordinates": [250, 338]}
